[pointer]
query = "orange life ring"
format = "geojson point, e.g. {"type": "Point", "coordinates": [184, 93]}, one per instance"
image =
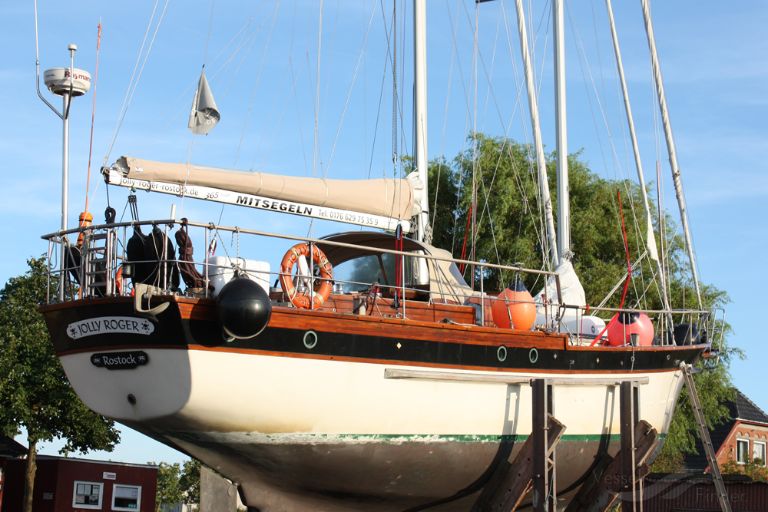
{"type": "Point", "coordinates": [302, 300]}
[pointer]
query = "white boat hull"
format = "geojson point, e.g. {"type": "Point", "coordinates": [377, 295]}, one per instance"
{"type": "Point", "coordinates": [298, 433]}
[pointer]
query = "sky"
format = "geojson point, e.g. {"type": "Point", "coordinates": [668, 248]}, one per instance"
{"type": "Point", "coordinates": [280, 115]}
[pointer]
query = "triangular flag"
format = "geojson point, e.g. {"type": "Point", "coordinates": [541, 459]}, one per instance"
{"type": "Point", "coordinates": [204, 114]}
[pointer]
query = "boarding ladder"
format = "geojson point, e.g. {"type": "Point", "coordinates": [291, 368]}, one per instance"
{"type": "Point", "coordinates": [698, 413]}
{"type": "Point", "coordinates": [98, 262]}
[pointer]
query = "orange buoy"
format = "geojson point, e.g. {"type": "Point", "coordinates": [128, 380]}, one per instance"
{"type": "Point", "coordinates": [303, 300]}
{"type": "Point", "coordinates": [627, 325]}
{"type": "Point", "coordinates": [514, 308]}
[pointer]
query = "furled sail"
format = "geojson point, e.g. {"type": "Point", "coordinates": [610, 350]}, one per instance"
{"type": "Point", "coordinates": [378, 198]}
{"type": "Point", "coordinates": [205, 114]}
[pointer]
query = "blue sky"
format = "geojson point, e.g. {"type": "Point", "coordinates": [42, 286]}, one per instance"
{"type": "Point", "coordinates": [261, 59]}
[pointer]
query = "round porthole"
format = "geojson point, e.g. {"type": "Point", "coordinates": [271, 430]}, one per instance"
{"type": "Point", "coordinates": [501, 353]}
{"type": "Point", "coordinates": [310, 339]}
{"type": "Point", "coordinates": [533, 355]}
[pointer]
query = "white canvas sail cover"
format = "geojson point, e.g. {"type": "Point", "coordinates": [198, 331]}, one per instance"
{"type": "Point", "coordinates": [571, 291]}
{"type": "Point", "coordinates": [205, 113]}
{"type": "Point", "coordinates": [393, 198]}
{"type": "Point", "coordinates": [572, 320]}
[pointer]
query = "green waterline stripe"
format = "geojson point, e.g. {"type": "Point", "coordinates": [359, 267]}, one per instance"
{"type": "Point", "coordinates": [462, 438]}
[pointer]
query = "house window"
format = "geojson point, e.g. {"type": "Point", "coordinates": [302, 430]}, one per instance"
{"type": "Point", "coordinates": [126, 497]}
{"type": "Point", "coordinates": [742, 451]}
{"type": "Point", "coordinates": [87, 495]}
{"type": "Point", "coordinates": [758, 452]}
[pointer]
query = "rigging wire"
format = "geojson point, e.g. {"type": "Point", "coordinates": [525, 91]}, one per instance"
{"type": "Point", "coordinates": [257, 82]}
{"type": "Point", "coordinates": [295, 93]}
{"type": "Point", "coordinates": [387, 60]}
{"type": "Point", "coordinates": [93, 113]}
{"type": "Point", "coordinates": [350, 90]}
{"type": "Point", "coordinates": [138, 69]}
{"type": "Point", "coordinates": [395, 101]}
{"type": "Point", "coordinates": [210, 31]}
{"type": "Point", "coordinates": [475, 163]}
{"type": "Point", "coordinates": [193, 138]}
{"type": "Point", "coordinates": [587, 71]}
{"type": "Point", "coordinates": [316, 142]}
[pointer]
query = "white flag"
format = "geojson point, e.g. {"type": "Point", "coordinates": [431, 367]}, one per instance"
{"type": "Point", "coordinates": [650, 241]}
{"type": "Point", "coordinates": [204, 114]}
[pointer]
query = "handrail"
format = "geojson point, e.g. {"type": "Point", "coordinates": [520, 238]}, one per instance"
{"type": "Point", "coordinates": [553, 309]}
{"type": "Point", "coordinates": [235, 229]}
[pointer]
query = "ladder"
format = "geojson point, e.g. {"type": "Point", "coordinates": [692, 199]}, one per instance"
{"type": "Point", "coordinates": [98, 262]}
{"type": "Point", "coordinates": [717, 477]}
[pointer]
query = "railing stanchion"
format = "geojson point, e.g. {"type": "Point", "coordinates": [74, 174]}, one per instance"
{"type": "Point", "coordinates": [482, 296]}
{"type": "Point", "coordinates": [205, 263]}
{"type": "Point", "coordinates": [311, 291]}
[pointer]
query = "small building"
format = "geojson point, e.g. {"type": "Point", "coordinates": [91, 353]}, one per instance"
{"type": "Point", "coordinates": [741, 439]}
{"type": "Point", "coordinates": [688, 493]}
{"type": "Point", "coordinates": [9, 450]}
{"type": "Point", "coordinates": [76, 485]}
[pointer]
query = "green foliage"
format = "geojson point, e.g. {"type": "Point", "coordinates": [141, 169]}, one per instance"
{"type": "Point", "coordinates": [169, 490]}
{"type": "Point", "coordinates": [190, 481]}
{"type": "Point", "coordinates": [754, 469]}
{"type": "Point", "coordinates": [177, 483]}
{"type": "Point", "coordinates": [510, 229]}
{"type": "Point", "coordinates": [34, 390]}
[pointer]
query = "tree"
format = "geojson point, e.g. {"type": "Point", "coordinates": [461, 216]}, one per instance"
{"type": "Point", "coordinates": [190, 481]}
{"type": "Point", "coordinates": [34, 390]}
{"type": "Point", "coordinates": [169, 489]}
{"type": "Point", "coordinates": [509, 229]}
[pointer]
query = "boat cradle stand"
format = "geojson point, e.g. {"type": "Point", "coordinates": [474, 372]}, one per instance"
{"type": "Point", "coordinates": [532, 469]}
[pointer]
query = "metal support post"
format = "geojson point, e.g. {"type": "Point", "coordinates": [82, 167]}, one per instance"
{"type": "Point", "coordinates": [628, 408]}
{"type": "Point", "coordinates": [543, 470]}
{"type": "Point", "coordinates": [512, 481]}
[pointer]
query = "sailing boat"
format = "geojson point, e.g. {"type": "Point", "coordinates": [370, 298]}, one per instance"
{"type": "Point", "coordinates": [394, 387]}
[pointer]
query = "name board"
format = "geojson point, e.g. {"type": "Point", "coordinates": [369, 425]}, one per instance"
{"type": "Point", "coordinates": [108, 475]}
{"type": "Point", "coordinates": [109, 325]}
{"type": "Point", "coordinates": [120, 360]}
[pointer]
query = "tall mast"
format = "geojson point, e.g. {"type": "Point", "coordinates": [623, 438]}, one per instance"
{"type": "Point", "coordinates": [563, 195]}
{"type": "Point", "coordinates": [541, 162]}
{"type": "Point", "coordinates": [67, 83]}
{"type": "Point", "coordinates": [676, 176]}
{"type": "Point", "coordinates": [651, 242]}
{"type": "Point", "coordinates": [423, 233]}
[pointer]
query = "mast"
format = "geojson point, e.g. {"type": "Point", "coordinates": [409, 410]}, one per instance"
{"type": "Point", "coordinates": [68, 83]}
{"type": "Point", "coordinates": [651, 241]}
{"type": "Point", "coordinates": [541, 162]}
{"type": "Point", "coordinates": [563, 195]}
{"type": "Point", "coordinates": [676, 176]}
{"type": "Point", "coordinates": [423, 233]}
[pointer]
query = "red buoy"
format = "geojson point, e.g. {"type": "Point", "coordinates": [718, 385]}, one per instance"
{"type": "Point", "coordinates": [628, 326]}
{"type": "Point", "coordinates": [514, 308]}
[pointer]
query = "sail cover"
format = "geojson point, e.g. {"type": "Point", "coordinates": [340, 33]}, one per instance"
{"type": "Point", "coordinates": [205, 113]}
{"type": "Point", "coordinates": [392, 198]}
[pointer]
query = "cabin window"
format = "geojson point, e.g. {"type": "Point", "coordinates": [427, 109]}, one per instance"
{"type": "Point", "coordinates": [126, 497]}
{"type": "Point", "coordinates": [758, 452]}
{"type": "Point", "coordinates": [87, 495]}
{"type": "Point", "coordinates": [360, 273]}
{"type": "Point", "coordinates": [742, 451]}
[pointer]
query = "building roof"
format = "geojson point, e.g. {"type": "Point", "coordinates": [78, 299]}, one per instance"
{"type": "Point", "coordinates": [741, 408]}
{"type": "Point", "coordinates": [95, 461]}
{"type": "Point", "coordinates": [10, 448]}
